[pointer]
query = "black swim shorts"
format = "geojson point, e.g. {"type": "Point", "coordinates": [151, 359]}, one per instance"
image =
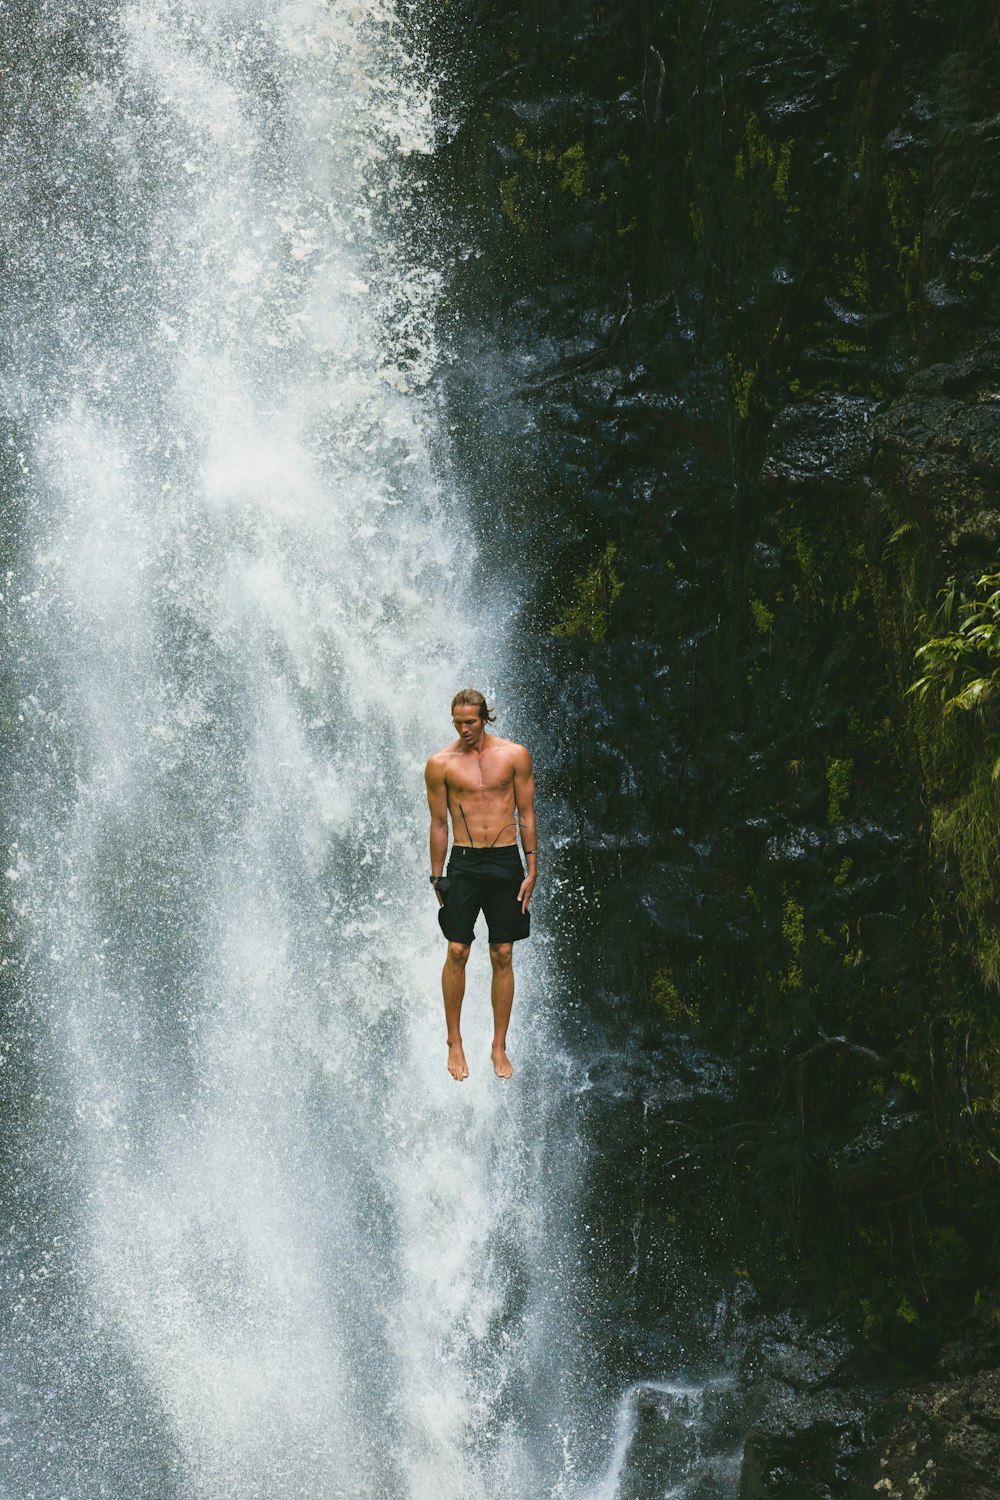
{"type": "Point", "coordinates": [487, 881]}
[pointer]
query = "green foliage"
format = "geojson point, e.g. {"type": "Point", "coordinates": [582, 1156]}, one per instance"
{"type": "Point", "coordinates": [965, 832]}
{"type": "Point", "coordinates": [793, 932]}
{"type": "Point", "coordinates": [838, 781]}
{"type": "Point", "coordinates": [962, 660]}
{"type": "Point", "coordinates": [857, 282]}
{"type": "Point", "coordinates": [524, 193]}
{"type": "Point", "coordinates": [757, 152]}
{"type": "Point", "coordinates": [596, 592]}
{"type": "Point", "coordinates": [573, 165]}
{"type": "Point", "coordinates": [902, 190]}
{"type": "Point", "coordinates": [783, 172]}
{"type": "Point", "coordinates": [763, 618]}
{"type": "Point", "coordinates": [906, 1311]}
{"type": "Point", "coordinates": [741, 383]}
{"type": "Point", "coordinates": [510, 201]}
{"type": "Point", "coordinates": [664, 992]}
{"type": "Point", "coordinates": [847, 346]}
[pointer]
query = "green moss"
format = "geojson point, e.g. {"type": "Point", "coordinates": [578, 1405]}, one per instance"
{"type": "Point", "coordinates": [510, 203]}
{"type": "Point", "coordinates": [793, 933]}
{"type": "Point", "coordinates": [838, 782]}
{"type": "Point", "coordinates": [741, 383]}
{"type": "Point", "coordinates": [902, 187]}
{"type": "Point", "coordinates": [757, 153]}
{"type": "Point", "coordinates": [573, 163]}
{"type": "Point", "coordinates": [596, 592]}
{"type": "Point", "coordinates": [965, 833]}
{"type": "Point", "coordinates": [857, 287]}
{"type": "Point", "coordinates": [664, 993]}
{"type": "Point", "coordinates": [906, 1311]}
{"type": "Point", "coordinates": [783, 172]}
{"type": "Point", "coordinates": [763, 618]}
{"type": "Point", "coordinates": [805, 555]}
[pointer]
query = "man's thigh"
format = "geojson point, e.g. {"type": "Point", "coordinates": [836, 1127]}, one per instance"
{"type": "Point", "coordinates": [506, 921]}
{"type": "Point", "coordinates": [463, 901]}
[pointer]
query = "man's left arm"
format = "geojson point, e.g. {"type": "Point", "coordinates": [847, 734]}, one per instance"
{"type": "Point", "coordinates": [524, 797]}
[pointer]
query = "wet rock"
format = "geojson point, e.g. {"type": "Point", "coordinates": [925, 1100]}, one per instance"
{"type": "Point", "coordinates": [810, 1462]}
{"type": "Point", "coordinates": [940, 445]}
{"type": "Point", "coordinates": [874, 1157]}
{"type": "Point", "coordinates": [811, 1424]}
{"type": "Point", "coordinates": [976, 1345]}
{"type": "Point", "coordinates": [669, 1424]}
{"type": "Point", "coordinates": [747, 345]}
{"type": "Point", "coordinates": [791, 1352]}
{"type": "Point", "coordinates": [670, 897]}
{"type": "Point", "coordinates": [822, 444]}
{"type": "Point", "coordinates": [943, 1445]}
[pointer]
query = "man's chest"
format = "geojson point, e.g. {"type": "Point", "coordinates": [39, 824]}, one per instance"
{"type": "Point", "coordinates": [485, 776]}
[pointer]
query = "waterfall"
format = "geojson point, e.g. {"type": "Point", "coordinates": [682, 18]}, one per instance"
{"type": "Point", "coordinates": [260, 1245]}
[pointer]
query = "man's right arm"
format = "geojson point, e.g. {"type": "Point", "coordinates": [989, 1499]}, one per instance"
{"type": "Point", "coordinates": [437, 801]}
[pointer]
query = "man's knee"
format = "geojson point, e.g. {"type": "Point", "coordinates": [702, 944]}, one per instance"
{"type": "Point", "coordinates": [501, 955]}
{"type": "Point", "coordinates": [458, 953]}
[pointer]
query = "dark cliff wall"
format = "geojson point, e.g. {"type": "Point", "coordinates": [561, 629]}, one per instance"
{"type": "Point", "coordinates": [728, 393]}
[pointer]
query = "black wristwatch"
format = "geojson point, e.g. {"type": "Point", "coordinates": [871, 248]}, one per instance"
{"type": "Point", "coordinates": [435, 878]}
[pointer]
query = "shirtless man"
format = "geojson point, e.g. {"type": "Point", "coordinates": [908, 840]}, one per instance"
{"type": "Point", "coordinates": [480, 779]}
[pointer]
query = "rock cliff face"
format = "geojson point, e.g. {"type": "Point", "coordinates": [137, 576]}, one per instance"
{"type": "Point", "coordinates": [944, 1442]}
{"type": "Point", "coordinates": [728, 391]}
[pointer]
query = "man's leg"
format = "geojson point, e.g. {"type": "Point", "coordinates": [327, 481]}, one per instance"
{"type": "Point", "coordinates": [502, 996]}
{"type": "Point", "coordinates": [453, 989]}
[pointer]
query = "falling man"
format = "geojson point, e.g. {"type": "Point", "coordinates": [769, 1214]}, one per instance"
{"type": "Point", "coordinates": [487, 784]}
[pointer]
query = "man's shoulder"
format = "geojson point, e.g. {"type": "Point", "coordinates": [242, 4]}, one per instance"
{"type": "Point", "coordinates": [510, 747]}
{"type": "Point", "coordinates": [440, 758]}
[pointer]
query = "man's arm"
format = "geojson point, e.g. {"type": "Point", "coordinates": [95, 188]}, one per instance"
{"type": "Point", "coordinates": [437, 801]}
{"type": "Point", "coordinates": [524, 797]}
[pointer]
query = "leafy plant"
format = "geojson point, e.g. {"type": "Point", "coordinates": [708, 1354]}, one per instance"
{"type": "Point", "coordinates": [596, 592]}
{"type": "Point", "coordinates": [664, 992]}
{"type": "Point", "coordinates": [962, 661]}
{"type": "Point", "coordinates": [838, 780]}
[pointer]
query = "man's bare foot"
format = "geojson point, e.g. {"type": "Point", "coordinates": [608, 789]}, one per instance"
{"type": "Point", "coordinates": [457, 1066]}
{"type": "Point", "coordinates": [501, 1063]}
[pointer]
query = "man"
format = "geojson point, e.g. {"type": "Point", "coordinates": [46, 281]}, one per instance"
{"type": "Point", "coordinates": [487, 784]}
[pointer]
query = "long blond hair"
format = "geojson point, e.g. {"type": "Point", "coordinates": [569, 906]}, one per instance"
{"type": "Point", "coordinates": [474, 698]}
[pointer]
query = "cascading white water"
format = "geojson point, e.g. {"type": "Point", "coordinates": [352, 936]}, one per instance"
{"type": "Point", "coordinates": [270, 1250]}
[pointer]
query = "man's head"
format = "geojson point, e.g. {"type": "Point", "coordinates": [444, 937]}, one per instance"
{"type": "Point", "coordinates": [470, 715]}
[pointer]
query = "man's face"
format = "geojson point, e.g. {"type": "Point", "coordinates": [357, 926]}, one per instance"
{"type": "Point", "coordinates": [468, 725]}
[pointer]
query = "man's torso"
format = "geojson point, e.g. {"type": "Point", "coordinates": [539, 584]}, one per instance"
{"type": "Point", "coordinates": [480, 787]}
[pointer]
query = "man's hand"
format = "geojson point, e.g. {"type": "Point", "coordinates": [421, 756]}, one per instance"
{"type": "Point", "coordinates": [524, 894]}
